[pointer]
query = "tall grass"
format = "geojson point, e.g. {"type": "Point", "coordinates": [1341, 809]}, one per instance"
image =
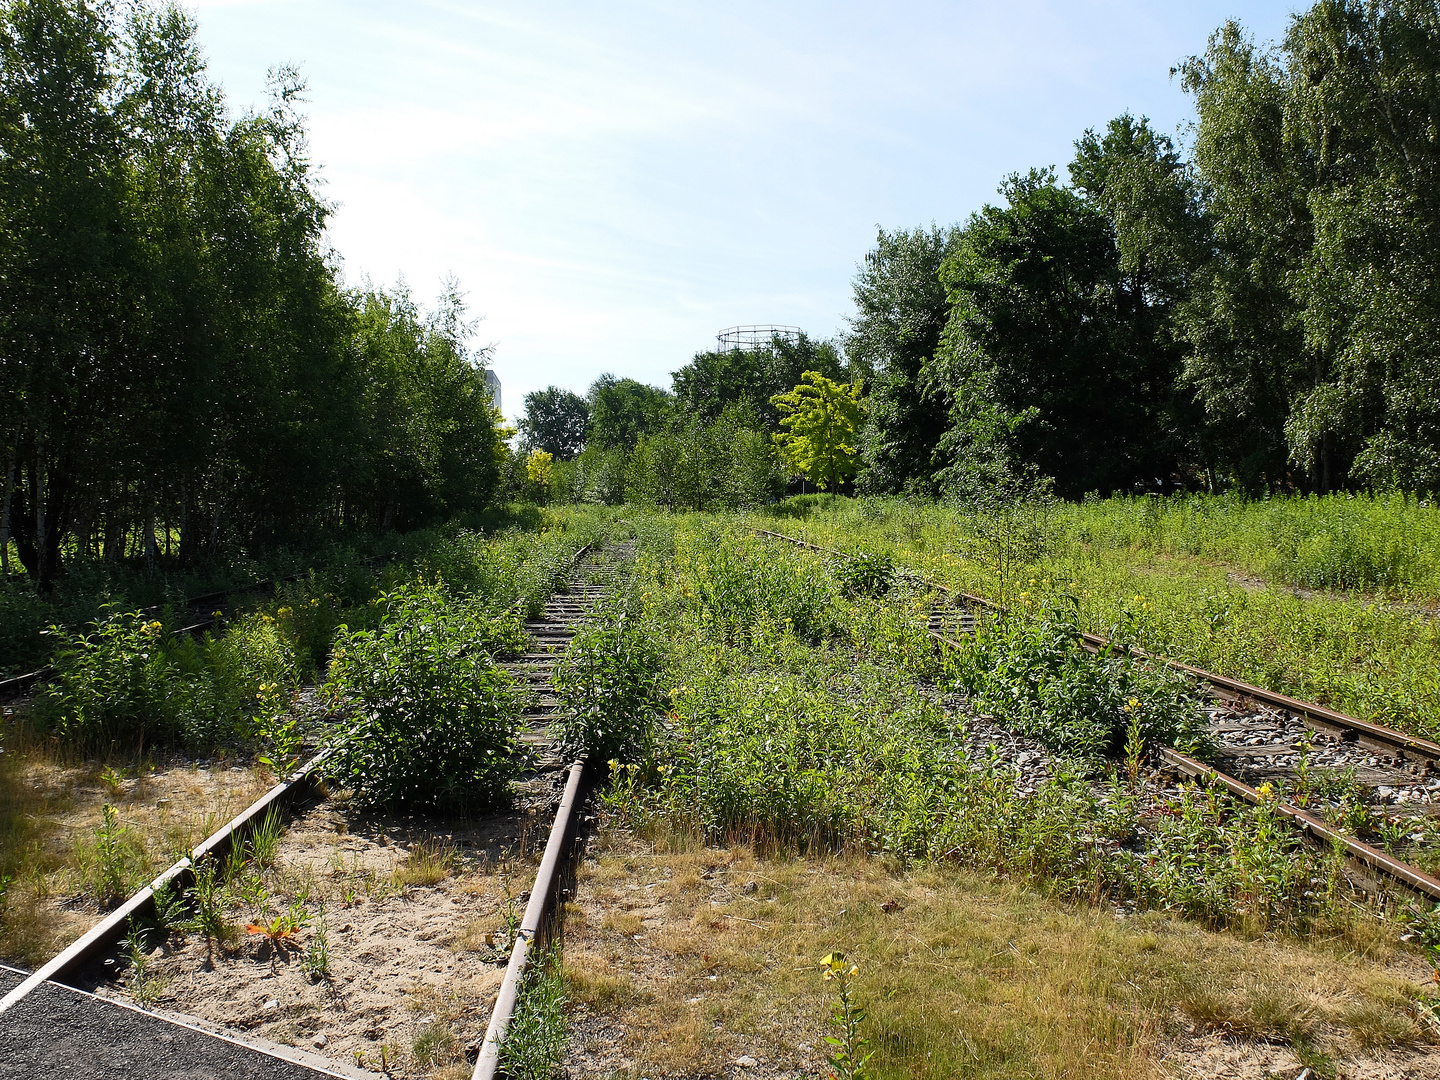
{"type": "Point", "coordinates": [1158, 568]}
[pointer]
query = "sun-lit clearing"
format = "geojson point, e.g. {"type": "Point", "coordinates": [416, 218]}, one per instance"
{"type": "Point", "coordinates": [684, 959]}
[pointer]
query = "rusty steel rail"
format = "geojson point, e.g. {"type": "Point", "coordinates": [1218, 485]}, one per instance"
{"type": "Point", "coordinates": [1320, 717]}
{"type": "Point", "coordinates": [1310, 824]}
{"type": "Point", "coordinates": [541, 894]}
{"type": "Point", "coordinates": [1401, 745]}
{"type": "Point", "coordinates": [112, 928]}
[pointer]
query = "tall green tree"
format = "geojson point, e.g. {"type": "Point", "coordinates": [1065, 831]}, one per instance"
{"type": "Point", "coordinates": [821, 418]}
{"type": "Point", "coordinates": [623, 411]}
{"type": "Point", "coordinates": [1314, 321]}
{"type": "Point", "coordinates": [901, 312]}
{"type": "Point", "coordinates": [1047, 360]}
{"type": "Point", "coordinates": [556, 421]}
{"type": "Point", "coordinates": [714, 380]}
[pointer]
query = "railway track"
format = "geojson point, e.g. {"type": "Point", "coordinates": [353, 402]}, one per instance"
{"type": "Point", "coordinates": [1258, 733]}
{"type": "Point", "coordinates": [552, 784]}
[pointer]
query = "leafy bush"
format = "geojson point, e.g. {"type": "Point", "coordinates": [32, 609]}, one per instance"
{"type": "Point", "coordinates": [129, 682]}
{"type": "Point", "coordinates": [114, 685]}
{"type": "Point", "coordinates": [606, 683]}
{"type": "Point", "coordinates": [433, 720]}
{"type": "Point", "coordinates": [1034, 676]}
{"type": "Point", "coordinates": [864, 574]}
{"type": "Point", "coordinates": [736, 585]}
{"type": "Point", "coordinates": [23, 617]}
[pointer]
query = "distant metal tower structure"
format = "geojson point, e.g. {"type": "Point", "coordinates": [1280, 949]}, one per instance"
{"type": "Point", "coordinates": [753, 337]}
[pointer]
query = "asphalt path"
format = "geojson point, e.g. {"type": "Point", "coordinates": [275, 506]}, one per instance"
{"type": "Point", "coordinates": [59, 1032]}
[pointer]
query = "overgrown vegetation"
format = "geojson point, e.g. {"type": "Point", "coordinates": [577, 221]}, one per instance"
{"type": "Point", "coordinates": [606, 685]}
{"type": "Point", "coordinates": [799, 717]}
{"type": "Point", "coordinates": [1191, 577]}
{"type": "Point", "coordinates": [536, 1037]}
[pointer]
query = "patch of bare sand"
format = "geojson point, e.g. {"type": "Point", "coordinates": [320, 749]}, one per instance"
{"type": "Point", "coordinates": [415, 914]}
{"type": "Point", "coordinates": [1213, 1056]}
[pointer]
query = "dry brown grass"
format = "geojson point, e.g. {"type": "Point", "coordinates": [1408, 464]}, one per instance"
{"type": "Point", "coordinates": [50, 807]}
{"type": "Point", "coordinates": [428, 863]}
{"type": "Point", "coordinates": [683, 962]}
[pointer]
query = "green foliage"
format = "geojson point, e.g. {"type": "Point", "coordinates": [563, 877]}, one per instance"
{"type": "Point", "coordinates": [864, 574]}
{"type": "Point", "coordinates": [1202, 579]}
{"type": "Point", "coordinates": [1032, 674]}
{"type": "Point", "coordinates": [1052, 358]}
{"type": "Point", "coordinates": [727, 464]}
{"type": "Point", "coordinates": [555, 421]}
{"type": "Point", "coordinates": [750, 378]}
{"type": "Point", "coordinates": [821, 417]}
{"type": "Point", "coordinates": [847, 1056]}
{"type": "Point", "coordinates": [432, 720]}
{"type": "Point", "coordinates": [208, 901]}
{"type": "Point", "coordinates": [113, 857]}
{"type": "Point", "coordinates": [185, 372]}
{"type": "Point", "coordinates": [606, 685]}
{"type": "Point", "coordinates": [537, 1035]}
{"type": "Point", "coordinates": [748, 586]}
{"type": "Point", "coordinates": [130, 683]}
{"type": "Point", "coordinates": [782, 742]}
{"type": "Point", "coordinates": [902, 309]}
{"type": "Point", "coordinates": [624, 411]}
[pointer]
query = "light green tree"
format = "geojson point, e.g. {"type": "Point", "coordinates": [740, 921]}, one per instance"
{"type": "Point", "coordinates": [822, 416]}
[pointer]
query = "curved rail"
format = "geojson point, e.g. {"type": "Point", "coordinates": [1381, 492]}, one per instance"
{"type": "Point", "coordinates": [1395, 742]}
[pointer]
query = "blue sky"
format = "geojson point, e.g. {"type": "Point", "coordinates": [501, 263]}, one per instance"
{"type": "Point", "coordinates": [612, 184]}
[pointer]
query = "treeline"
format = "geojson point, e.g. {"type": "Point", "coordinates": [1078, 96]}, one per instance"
{"type": "Point", "coordinates": [1262, 311]}
{"type": "Point", "coordinates": [181, 366]}
{"type": "Point", "coordinates": [705, 444]}
{"type": "Point", "coordinates": [1258, 312]}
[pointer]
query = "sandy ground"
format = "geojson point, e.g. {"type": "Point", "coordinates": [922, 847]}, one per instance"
{"type": "Point", "coordinates": [414, 914]}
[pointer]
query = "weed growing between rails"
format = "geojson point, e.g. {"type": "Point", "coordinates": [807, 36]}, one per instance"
{"type": "Point", "coordinates": [1356, 653]}
{"type": "Point", "coordinates": [233, 697]}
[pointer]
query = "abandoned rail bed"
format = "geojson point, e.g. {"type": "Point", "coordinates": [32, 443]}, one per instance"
{"type": "Point", "coordinates": [1257, 736]}
{"type": "Point", "coordinates": [1260, 734]}
{"type": "Point", "coordinates": [109, 1035]}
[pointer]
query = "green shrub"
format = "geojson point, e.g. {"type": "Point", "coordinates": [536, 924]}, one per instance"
{"type": "Point", "coordinates": [864, 574]}
{"type": "Point", "coordinates": [114, 685]}
{"type": "Point", "coordinates": [433, 720]}
{"type": "Point", "coordinates": [738, 584]}
{"type": "Point", "coordinates": [1034, 676]}
{"type": "Point", "coordinates": [129, 682]}
{"type": "Point", "coordinates": [606, 682]}
{"type": "Point", "coordinates": [23, 618]}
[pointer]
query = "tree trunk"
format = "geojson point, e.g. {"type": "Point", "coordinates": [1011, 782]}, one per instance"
{"type": "Point", "coordinates": [150, 551]}
{"type": "Point", "coordinates": [5, 514]}
{"type": "Point", "coordinates": [37, 483]}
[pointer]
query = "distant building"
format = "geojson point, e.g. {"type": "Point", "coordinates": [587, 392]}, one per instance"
{"type": "Point", "coordinates": [493, 382]}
